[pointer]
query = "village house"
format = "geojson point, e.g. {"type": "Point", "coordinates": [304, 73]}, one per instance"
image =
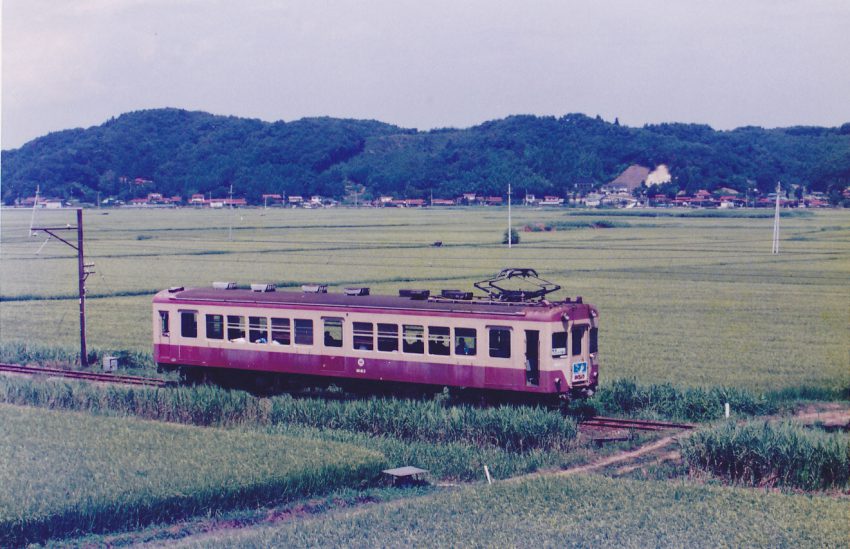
{"type": "Point", "coordinates": [442, 202]}
{"type": "Point", "coordinates": [552, 201]}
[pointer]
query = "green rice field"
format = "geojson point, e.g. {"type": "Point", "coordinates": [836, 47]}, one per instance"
{"type": "Point", "coordinates": [696, 301]}
{"type": "Point", "coordinates": [67, 473]}
{"type": "Point", "coordinates": [569, 512]}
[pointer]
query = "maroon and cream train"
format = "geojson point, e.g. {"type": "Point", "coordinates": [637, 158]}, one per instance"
{"type": "Point", "coordinates": [542, 348]}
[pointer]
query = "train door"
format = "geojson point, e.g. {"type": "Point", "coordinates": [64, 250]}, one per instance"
{"type": "Point", "coordinates": [164, 329]}
{"type": "Point", "coordinates": [532, 357]}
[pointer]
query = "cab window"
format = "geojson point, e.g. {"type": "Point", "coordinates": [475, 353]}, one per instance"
{"type": "Point", "coordinates": [594, 340]}
{"type": "Point", "coordinates": [577, 335]}
{"type": "Point", "coordinates": [559, 344]}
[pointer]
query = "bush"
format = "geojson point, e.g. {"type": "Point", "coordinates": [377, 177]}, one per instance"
{"type": "Point", "coordinates": [759, 454]}
{"type": "Point", "coordinates": [514, 237]}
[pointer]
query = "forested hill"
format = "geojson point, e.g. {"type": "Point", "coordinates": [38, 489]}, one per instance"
{"type": "Point", "coordinates": [188, 152]}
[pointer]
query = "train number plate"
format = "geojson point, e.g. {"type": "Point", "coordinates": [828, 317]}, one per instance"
{"type": "Point", "coordinates": [580, 371]}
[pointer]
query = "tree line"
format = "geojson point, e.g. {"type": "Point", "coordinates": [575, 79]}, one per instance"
{"type": "Point", "coordinates": [185, 152]}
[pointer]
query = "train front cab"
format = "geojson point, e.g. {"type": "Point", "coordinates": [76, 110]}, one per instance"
{"type": "Point", "coordinates": [574, 355]}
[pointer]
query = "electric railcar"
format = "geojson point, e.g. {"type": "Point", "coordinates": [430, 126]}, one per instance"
{"type": "Point", "coordinates": [510, 341]}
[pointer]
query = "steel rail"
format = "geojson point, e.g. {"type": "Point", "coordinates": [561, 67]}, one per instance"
{"type": "Point", "coordinates": [636, 424]}
{"type": "Point", "coordinates": [86, 376]}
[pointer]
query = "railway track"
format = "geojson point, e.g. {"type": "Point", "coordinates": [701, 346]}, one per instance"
{"type": "Point", "coordinates": [86, 376]}
{"type": "Point", "coordinates": [632, 424]}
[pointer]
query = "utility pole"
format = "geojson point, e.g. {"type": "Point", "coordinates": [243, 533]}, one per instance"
{"type": "Point", "coordinates": [776, 221]}
{"type": "Point", "coordinates": [230, 228]}
{"type": "Point", "coordinates": [34, 206]}
{"type": "Point", "coordinates": [82, 274]}
{"type": "Point", "coordinates": [510, 236]}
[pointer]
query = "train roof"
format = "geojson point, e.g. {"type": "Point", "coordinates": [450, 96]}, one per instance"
{"type": "Point", "coordinates": [550, 310]}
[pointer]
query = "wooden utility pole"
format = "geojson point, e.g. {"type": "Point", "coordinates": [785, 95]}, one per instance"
{"type": "Point", "coordinates": [82, 274]}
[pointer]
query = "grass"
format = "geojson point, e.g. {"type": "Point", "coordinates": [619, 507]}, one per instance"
{"type": "Point", "coordinates": [65, 473]}
{"type": "Point", "coordinates": [761, 453]}
{"type": "Point", "coordinates": [571, 512]}
{"type": "Point", "coordinates": [514, 429]}
{"type": "Point", "coordinates": [698, 300]}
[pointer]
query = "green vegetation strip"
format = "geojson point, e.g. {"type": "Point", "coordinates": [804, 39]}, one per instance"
{"type": "Point", "coordinates": [63, 473]}
{"type": "Point", "coordinates": [763, 213]}
{"type": "Point", "coordinates": [570, 512]}
{"type": "Point", "coordinates": [509, 428]}
{"type": "Point", "coordinates": [757, 454]}
{"type": "Point", "coordinates": [664, 400]}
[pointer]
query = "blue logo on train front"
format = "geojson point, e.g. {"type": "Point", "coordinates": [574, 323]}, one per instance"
{"type": "Point", "coordinates": [579, 371]}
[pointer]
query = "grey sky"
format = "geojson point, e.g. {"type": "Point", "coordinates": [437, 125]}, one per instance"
{"type": "Point", "coordinates": [425, 64]}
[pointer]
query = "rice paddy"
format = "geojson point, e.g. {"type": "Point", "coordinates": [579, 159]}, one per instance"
{"type": "Point", "coordinates": [699, 301]}
{"type": "Point", "coordinates": [570, 512]}
{"type": "Point", "coordinates": [694, 312]}
{"type": "Point", "coordinates": [71, 473]}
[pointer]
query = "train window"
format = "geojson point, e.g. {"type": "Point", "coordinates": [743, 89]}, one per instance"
{"type": "Point", "coordinates": [559, 344]}
{"type": "Point", "coordinates": [258, 329]}
{"type": "Point", "coordinates": [578, 335]}
{"type": "Point", "coordinates": [439, 340]}
{"type": "Point", "coordinates": [364, 336]}
{"type": "Point", "coordinates": [303, 331]}
{"type": "Point", "coordinates": [188, 324]}
{"type": "Point", "coordinates": [236, 328]}
{"type": "Point", "coordinates": [215, 327]}
{"type": "Point", "coordinates": [414, 339]}
{"type": "Point", "coordinates": [500, 343]}
{"type": "Point", "coordinates": [163, 323]}
{"type": "Point", "coordinates": [333, 332]}
{"type": "Point", "coordinates": [280, 331]}
{"type": "Point", "coordinates": [594, 340]}
{"type": "Point", "coordinates": [465, 341]}
{"type": "Point", "coordinates": [388, 337]}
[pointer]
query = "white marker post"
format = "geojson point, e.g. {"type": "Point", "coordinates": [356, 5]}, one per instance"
{"type": "Point", "coordinates": [726, 410]}
{"type": "Point", "coordinates": [487, 472]}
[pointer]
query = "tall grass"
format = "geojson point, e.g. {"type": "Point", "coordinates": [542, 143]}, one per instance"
{"type": "Point", "coordinates": [762, 453]}
{"type": "Point", "coordinates": [627, 397]}
{"type": "Point", "coordinates": [25, 353]}
{"type": "Point", "coordinates": [510, 428]}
